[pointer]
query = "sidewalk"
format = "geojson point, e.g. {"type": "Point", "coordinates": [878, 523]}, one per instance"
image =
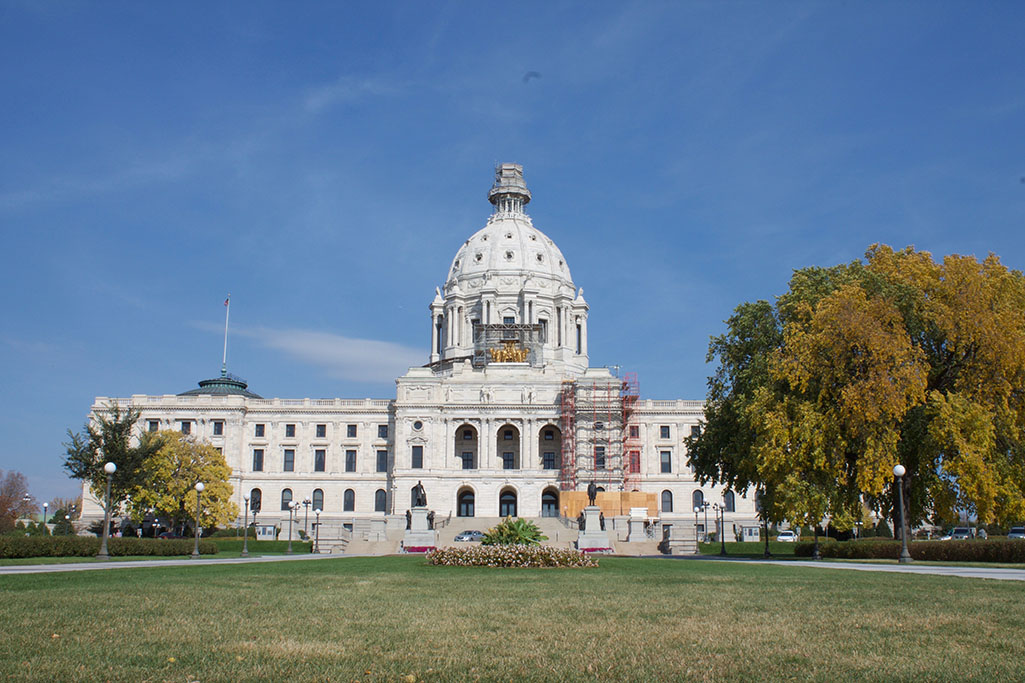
{"type": "Point", "coordinates": [142, 564]}
{"type": "Point", "coordinates": [998, 573]}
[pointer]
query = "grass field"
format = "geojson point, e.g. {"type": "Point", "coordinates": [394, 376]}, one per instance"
{"type": "Point", "coordinates": [393, 618]}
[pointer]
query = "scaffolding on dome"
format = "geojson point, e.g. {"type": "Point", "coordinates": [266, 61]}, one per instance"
{"type": "Point", "coordinates": [508, 343]}
{"type": "Point", "coordinates": [600, 437]}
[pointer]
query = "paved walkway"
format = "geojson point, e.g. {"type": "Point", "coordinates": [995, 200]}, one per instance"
{"type": "Point", "coordinates": [935, 570]}
{"type": "Point", "coordinates": [141, 564]}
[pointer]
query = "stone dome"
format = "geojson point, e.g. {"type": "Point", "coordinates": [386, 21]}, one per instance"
{"type": "Point", "coordinates": [509, 246]}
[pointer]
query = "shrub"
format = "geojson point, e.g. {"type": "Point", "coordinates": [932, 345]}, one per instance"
{"type": "Point", "coordinates": [883, 529]}
{"type": "Point", "coordinates": [994, 550]}
{"type": "Point", "coordinates": [513, 532]}
{"type": "Point", "coordinates": [510, 556]}
{"type": "Point", "coordinates": [88, 546]}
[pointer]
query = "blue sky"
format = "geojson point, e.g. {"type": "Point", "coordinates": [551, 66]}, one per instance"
{"type": "Point", "coordinates": [322, 162]}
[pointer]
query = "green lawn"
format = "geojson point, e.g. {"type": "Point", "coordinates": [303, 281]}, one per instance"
{"type": "Point", "coordinates": [393, 617]}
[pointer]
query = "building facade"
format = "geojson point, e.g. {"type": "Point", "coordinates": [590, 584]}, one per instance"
{"type": "Point", "coordinates": [505, 418]}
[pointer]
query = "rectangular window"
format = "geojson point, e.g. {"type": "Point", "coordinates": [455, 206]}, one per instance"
{"type": "Point", "coordinates": [382, 431]}
{"type": "Point", "coordinates": [258, 460]}
{"type": "Point", "coordinates": [599, 457]}
{"type": "Point", "coordinates": [695, 431]}
{"type": "Point", "coordinates": [321, 431]}
{"type": "Point", "coordinates": [580, 337]}
{"type": "Point", "coordinates": [258, 430]}
{"type": "Point", "coordinates": [319, 460]}
{"type": "Point", "coordinates": [507, 435]}
{"type": "Point", "coordinates": [467, 435]}
{"type": "Point", "coordinates": [548, 460]}
{"type": "Point", "coordinates": [219, 450]}
{"type": "Point", "coordinates": [154, 426]}
{"type": "Point", "coordinates": [350, 431]}
{"type": "Point", "coordinates": [186, 427]}
{"type": "Point", "coordinates": [418, 457]}
{"type": "Point", "coordinates": [289, 460]}
{"type": "Point", "coordinates": [666, 458]}
{"type": "Point", "coordinates": [218, 428]}
{"type": "Point", "coordinates": [382, 461]}
{"type": "Point", "coordinates": [509, 320]}
{"type": "Point", "coordinates": [544, 330]}
{"type": "Point", "coordinates": [290, 431]}
{"type": "Point", "coordinates": [549, 435]}
{"type": "Point", "coordinates": [635, 431]}
{"type": "Point", "coordinates": [507, 461]}
{"type": "Point", "coordinates": [663, 432]}
{"type": "Point", "coordinates": [467, 461]}
{"type": "Point", "coordinates": [635, 462]}
{"type": "Point", "coordinates": [350, 461]}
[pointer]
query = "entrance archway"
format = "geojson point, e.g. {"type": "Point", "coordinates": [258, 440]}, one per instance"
{"type": "Point", "coordinates": [507, 503]}
{"type": "Point", "coordinates": [465, 503]}
{"type": "Point", "coordinates": [550, 503]}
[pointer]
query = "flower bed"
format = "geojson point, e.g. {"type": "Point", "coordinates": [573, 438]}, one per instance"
{"type": "Point", "coordinates": [596, 550]}
{"type": "Point", "coordinates": [510, 556]}
{"type": "Point", "coordinates": [418, 549]}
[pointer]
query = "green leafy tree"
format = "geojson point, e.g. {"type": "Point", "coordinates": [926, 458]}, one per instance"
{"type": "Point", "coordinates": [168, 478]}
{"type": "Point", "coordinates": [514, 532]}
{"type": "Point", "coordinates": [858, 367]}
{"type": "Point", "coordinates": [109, 437]}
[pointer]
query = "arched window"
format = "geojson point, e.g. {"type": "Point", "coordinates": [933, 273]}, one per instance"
{"type": "Point", "coordinates": [507, 504]}
{"type": "Point", "coordinates": [699, 499]}
{"type": "Point", "coordinates": [318, 499]}
{"type": "Point", "coordinates": [464, 507]}
{"type": "Point", "coordinates": [286, 498]}
{"type": "Point", "coordinates": [667, 501]}
{"type": "Point", "coordinates": [255, 500]}
{"type": "Point", "coordinates": [729, 501]}
{"type": "Point", "coordinates": [380, 501]}
{"type": "Point", "coordinates": [349, 501]}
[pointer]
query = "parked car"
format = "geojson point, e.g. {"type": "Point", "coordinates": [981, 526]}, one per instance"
{"type": "Point", "coordinates": [788, 536]}
{"type": "Point", "coordinates": [170, 534]}
{"type": "Point", "coordinates": [469, 535]}
{"type": "Point", "coordinates": [1017, 532]}
{"type": "Point", "coordinates": [961, 533]}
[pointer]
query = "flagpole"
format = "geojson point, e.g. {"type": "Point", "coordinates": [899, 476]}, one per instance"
{"type": "Point", "coordinates": [224, 358]}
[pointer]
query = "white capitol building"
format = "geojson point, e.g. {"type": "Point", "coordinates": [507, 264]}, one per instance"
{"type": "Point", "coordinates": [505, 418]}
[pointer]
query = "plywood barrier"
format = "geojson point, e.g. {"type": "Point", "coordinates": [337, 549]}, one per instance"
{"type": "Point", "coordinates": [612, 503]}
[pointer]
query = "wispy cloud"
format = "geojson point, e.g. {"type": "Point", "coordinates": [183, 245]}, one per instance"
{"type": "Point", "coordinates": [347, 358]}
{"type": "Point", "coordinates": [347, 89]}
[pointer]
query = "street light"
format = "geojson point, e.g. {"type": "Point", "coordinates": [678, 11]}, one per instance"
{"type": "Point", "coordinates": [46, 506]}
{"type": "Point", "coordinates": [245, 528]}
{"type": "Point", "coordinates": [905, 556]}
{"type": "Point", "coordinates": [697, 509]}
{"type": "Point", "coordinates": [316, 542]}
{"type": "Point", "coordinates": [705, 505]}
{"type": "Point", "coordinates": [306, 523]}
{"type": "Point", "coordinates": [199, 491]}
{"type": "Point", "coordinates": [291, 508]}
{"type": "Point", "coordinates": [720, 518]}
{"type": "Point", "coordinates": [109, 468]}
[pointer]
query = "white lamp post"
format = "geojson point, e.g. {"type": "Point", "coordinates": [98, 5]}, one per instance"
{"type": "Point", "coordinates": [905, 556]}
{"type": "Point", "coordinates": [291, 508]}
{"type": "Point", "coordinates": [199, 492]}
{"type": "Point", "coordinates": [316, 542]}
{"type": "Point", "coordinates": [46, 506]}
{"type": "Point", "coordinates": [109, 468]}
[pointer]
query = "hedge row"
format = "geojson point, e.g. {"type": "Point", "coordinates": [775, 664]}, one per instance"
{"type": "Point", "coordinates": [994, 550]}
{"type": "Point", "coordinates": [88, 546]}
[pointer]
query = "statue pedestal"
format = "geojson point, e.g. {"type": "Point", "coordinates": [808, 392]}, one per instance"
{"type": "Point", "coordinates": [593, 536]}
{"type": "Point", "coordinates": [637, 534]}
{"type": "Point", "coordinates": [419, 534]}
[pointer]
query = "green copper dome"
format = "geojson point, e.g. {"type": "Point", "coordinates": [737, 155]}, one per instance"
{"type": "Point", "coordinates": [225, 385]}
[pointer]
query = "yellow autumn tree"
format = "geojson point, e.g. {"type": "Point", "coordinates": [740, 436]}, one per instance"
{"type": "Point", "coordinates": [895, 359]}
{"type": "Point", "coordinates": [169, 477]}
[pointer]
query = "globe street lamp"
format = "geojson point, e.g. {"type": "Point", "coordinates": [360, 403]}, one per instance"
{"type": "Point", "coordinates": [697, 509]}
{"type": "Point", "coordinates": [705, 505]}
{"type": "Point", "coordinates": [291, 509]}
{"type": "Point", "coordinates": [245, 528]}
{"type": "Point", "coordinates": [306, 522]}
{"type": "Point", "coordinates": [199, 491]}
{"type": "Point", "coordinates": [720, 518]}
{"type": "Point", "coordinates": [316, 542]}
{"type": "Point", "coordinates": [109, 468]}
{"type": "Point", "coordinates": [905, 556]}
{"type": "Point", "coordinates": [46, 506]}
